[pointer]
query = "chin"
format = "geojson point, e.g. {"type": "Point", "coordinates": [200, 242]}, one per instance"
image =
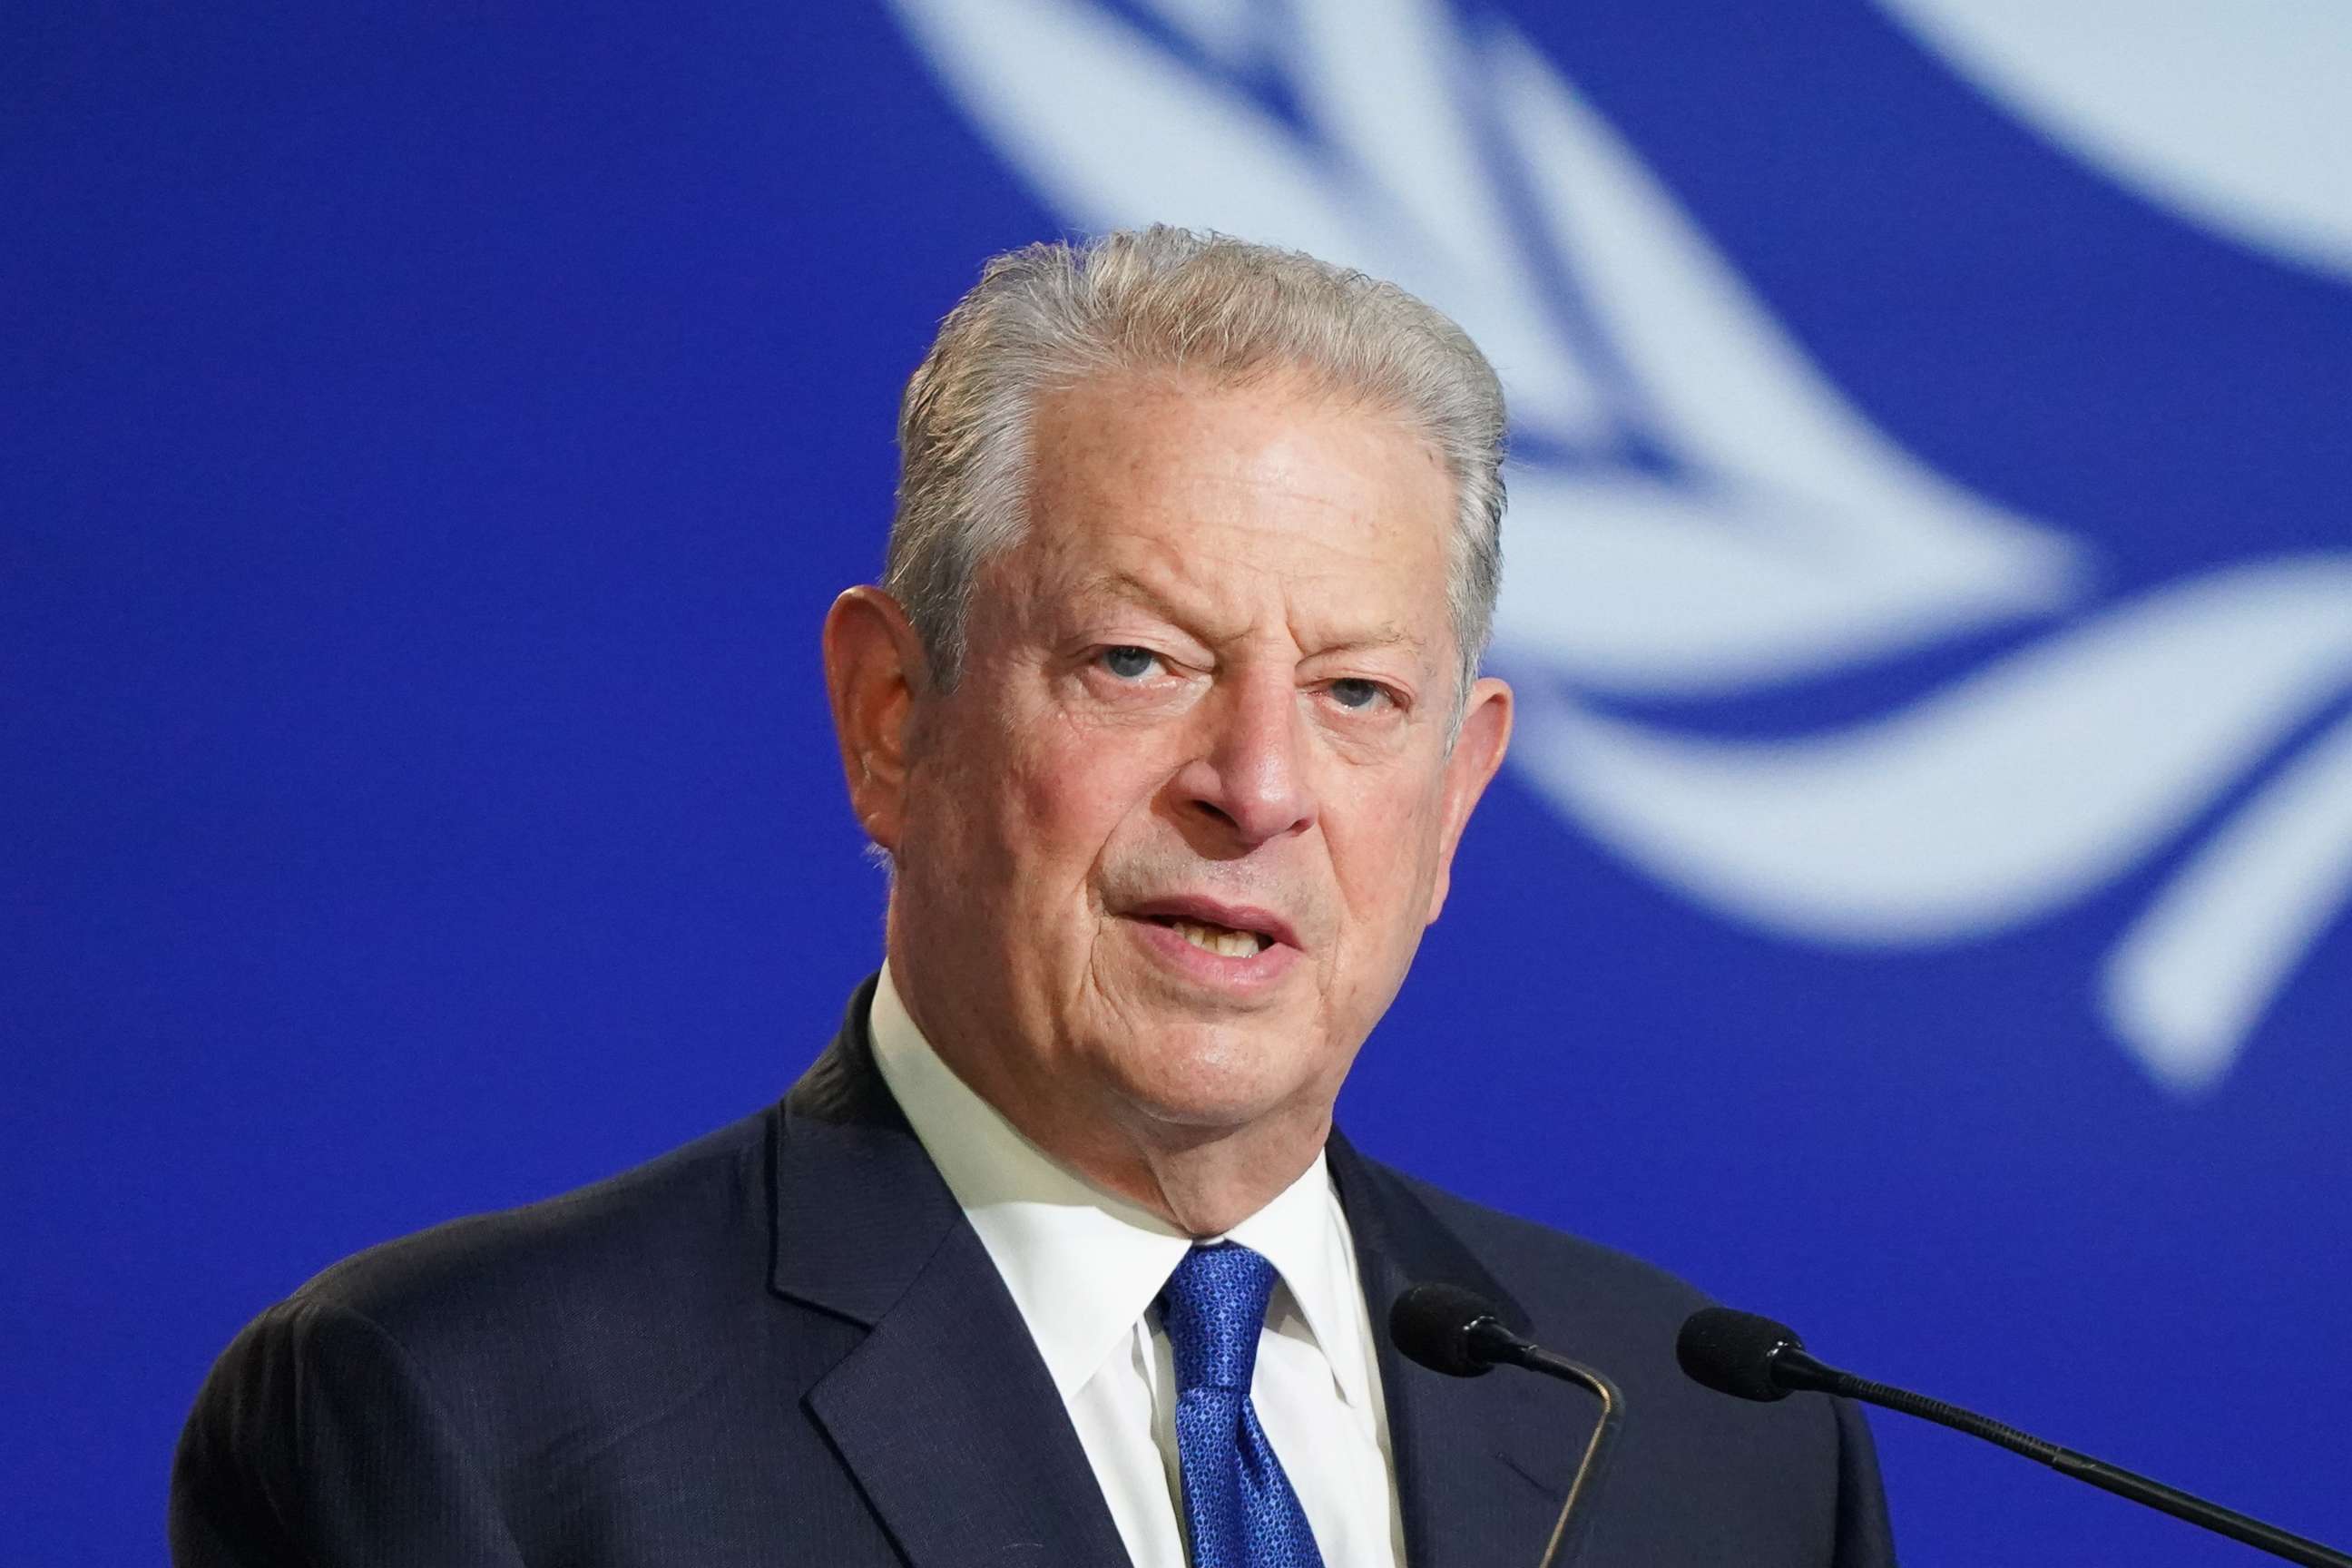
{"type": "Point", "coordinates": [1213, 1077]}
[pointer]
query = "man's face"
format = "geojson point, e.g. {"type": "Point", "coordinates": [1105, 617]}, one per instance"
{"type": "Point", "coordinates": [1169, 845]}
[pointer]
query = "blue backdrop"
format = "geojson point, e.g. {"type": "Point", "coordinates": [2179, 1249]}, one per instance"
{"type": "Point", "coordinates": [1914, 909]}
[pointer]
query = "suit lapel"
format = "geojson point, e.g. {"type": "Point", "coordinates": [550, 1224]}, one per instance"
{"type": "Point", "coordinates": [944, 1413]}
{"type": "Point", "coordinates": [947, 1419]}
{"type": "Point", "coordinates": [1483, 1464]}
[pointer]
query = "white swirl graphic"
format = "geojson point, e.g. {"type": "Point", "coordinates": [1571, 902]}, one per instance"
{"type": "Point", "coordinates": [2235, 117]}
{"type": "Point", "coordinates": [2029, 784]}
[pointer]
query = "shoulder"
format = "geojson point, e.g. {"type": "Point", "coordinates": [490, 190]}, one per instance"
{"type": "Point", "coordinates": [703, 1204]}
{"type": "Point", "coordinates": [430, 1392]}
{"type": "Point", "coordinates": [1545, 1274]}
{"type": "Point", "coordinates": [1553, 1272]}
{"type": "Point", "coordinates": [597, 1294]}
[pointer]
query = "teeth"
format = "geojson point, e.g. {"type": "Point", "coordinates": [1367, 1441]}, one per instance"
{"type": "Point", "coordinates": [1217, 939]}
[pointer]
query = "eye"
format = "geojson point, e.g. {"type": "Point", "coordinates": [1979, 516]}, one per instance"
{"type": "Point", "coordinates": [1357, 695]}
{"type": "Point", "coordinates": [1128, 663]}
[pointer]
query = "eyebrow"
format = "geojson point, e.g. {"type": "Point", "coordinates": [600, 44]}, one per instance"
{"type": "Point", "coordinates": [1126, 585]}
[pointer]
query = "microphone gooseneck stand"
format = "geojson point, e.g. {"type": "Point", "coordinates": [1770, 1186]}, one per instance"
{"type": "Point", "coordinates": [1752, 1357]}
{"type": "Point", "coordinates": [1576, 1514]}
{"type": "Point", "coordinates": [1456, 1331]}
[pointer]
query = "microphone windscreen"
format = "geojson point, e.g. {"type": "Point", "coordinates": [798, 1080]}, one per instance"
{"type": "Point", "coordinates": [1731, 1351]}
{"type": "Point", "coordinates": [1431, 1324]}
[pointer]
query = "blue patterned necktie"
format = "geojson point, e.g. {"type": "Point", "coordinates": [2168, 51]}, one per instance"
{"type": "Point", "coordinates": [1237, 1501]}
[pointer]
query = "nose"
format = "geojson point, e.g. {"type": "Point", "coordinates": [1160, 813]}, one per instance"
{"type": "Point", "coordinates": [1249, 774]}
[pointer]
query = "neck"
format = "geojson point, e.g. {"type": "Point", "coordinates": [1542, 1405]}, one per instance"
{"type": "Point", "coordinates": [1202, 1185]}
{"type": "Point", "coordinates": [1201, 1178]}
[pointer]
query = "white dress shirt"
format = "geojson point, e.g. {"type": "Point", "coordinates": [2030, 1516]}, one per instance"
{"type": "Point", "coordinates": [1085, 1267]}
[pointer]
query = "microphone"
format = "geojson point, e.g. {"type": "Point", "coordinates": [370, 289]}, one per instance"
{"type": "Point", "coordinates": [1751, 1357]}
{"type": "Point", "coordinates": [1456, 1332]}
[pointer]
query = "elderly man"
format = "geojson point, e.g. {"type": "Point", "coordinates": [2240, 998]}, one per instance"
{"type": "Point", "coordinates": [1168, 720]}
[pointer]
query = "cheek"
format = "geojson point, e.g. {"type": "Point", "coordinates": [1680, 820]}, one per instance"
{"type": "Point", "coordinates": [1107, 763]}
{"type": "Point", "coordinates": [963, 821]}
{"type": "Point", "coordinates": [1065, 795]}
{"type": "Point", "coordinates": [1387, 866]}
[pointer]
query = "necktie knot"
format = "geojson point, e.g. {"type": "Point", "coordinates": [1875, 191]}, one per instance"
{"type": "Point", "coordinates": [1214, 1307]}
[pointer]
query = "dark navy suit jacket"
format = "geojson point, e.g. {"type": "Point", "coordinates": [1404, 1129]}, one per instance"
{"type": "Point", "coordinates": [783, 1344]}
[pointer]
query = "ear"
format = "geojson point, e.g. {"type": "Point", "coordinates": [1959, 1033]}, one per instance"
{"type": "Point", "coordinates": [1477, 752]}
{"type": "Point", "coordinates": [873, 667]}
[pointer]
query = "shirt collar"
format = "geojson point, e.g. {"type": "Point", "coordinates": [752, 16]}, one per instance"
{"type": "Point", "coordinates": [1084, 1263]}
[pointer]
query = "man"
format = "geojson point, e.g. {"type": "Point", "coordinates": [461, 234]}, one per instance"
{"type": "Point", "coordinates": [1168, 720]}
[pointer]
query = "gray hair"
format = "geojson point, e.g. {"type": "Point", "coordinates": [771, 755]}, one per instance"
{"type": "Point", "coordinates": [1048, 316]}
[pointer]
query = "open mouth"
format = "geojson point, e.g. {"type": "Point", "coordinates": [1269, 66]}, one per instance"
{"type": "Point", "coordinates": [1224, 940]}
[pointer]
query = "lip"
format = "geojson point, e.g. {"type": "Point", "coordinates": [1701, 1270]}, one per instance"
{"type": "Point", "coordinates": [1213, 973]}
{"type": "Point", "coordinates": [1214, 912]}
